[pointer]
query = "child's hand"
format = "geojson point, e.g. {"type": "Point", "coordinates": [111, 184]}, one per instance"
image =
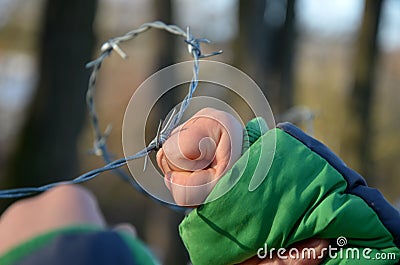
{"type": "Point", "coordinates": [198, 153]}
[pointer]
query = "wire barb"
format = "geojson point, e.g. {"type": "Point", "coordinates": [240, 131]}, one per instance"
{"type": "Point", "coordinates": [164, 129]}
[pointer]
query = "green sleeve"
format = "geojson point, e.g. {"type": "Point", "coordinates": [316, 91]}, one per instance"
{"type": "Point", "coordinates": [141, 253]}
{"type": "Point", "coordinates": [299, 196]}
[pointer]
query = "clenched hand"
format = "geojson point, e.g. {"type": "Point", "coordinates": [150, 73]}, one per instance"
{"type": "Point", "coordinates": [198, 153]}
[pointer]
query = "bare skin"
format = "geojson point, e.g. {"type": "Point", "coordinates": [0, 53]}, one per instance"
{"type": "Point", "coordinates": [71, 204]}
{"type": "Point", "coordinates": [59, 207]}
{"type": "Point", "coordinates": [198, 153]}
{"type": "Point", "coordinates": [195, 157]}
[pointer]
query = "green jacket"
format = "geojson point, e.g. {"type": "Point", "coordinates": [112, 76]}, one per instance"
{"type": "Point", "coordinates": [306, 192]}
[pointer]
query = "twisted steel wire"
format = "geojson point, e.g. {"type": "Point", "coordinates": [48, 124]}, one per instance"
{"type": "Point", "coordinates": [100, 141]}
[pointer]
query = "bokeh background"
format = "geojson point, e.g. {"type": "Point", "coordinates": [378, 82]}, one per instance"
{"type": "Point", "coordinates": [331, 67]}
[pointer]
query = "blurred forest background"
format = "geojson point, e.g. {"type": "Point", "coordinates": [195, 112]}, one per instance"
{"type": "Point", "coordinates": [331, 67]}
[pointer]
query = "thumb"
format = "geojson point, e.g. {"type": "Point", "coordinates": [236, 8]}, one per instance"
{"type": "Point", "coordinates": [192, 146]}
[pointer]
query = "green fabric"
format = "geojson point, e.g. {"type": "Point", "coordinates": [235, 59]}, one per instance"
{"type": "Point", "coordinates": [300, 197]}
{"type": "Point", "coordinates": [29, 246]}
{"type": "Point", "coordinates": [253, 130]}
{"type": "Point", "coordinates": [139, 251]}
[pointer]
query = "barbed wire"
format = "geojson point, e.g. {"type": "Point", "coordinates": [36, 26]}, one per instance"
{"type": "Point", "coordinates": [100, 141]}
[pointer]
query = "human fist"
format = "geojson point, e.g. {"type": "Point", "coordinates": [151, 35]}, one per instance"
{"type": "Point", "coordinates": [198, 153]}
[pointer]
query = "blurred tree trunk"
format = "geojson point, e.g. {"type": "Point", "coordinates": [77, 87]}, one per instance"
{"type": "Point", "coordinates": [165, 55]}
{"type": "Point", "coordinates": [161, 225]}
{"type": "Point", "coordinates": [47, 147]}
{"type": "Point", "coordinates": [358, 138]}
{"type": "Point", "coordinates": [165, 50]}
{"type": "Point", "coordinates": [266, 48]}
